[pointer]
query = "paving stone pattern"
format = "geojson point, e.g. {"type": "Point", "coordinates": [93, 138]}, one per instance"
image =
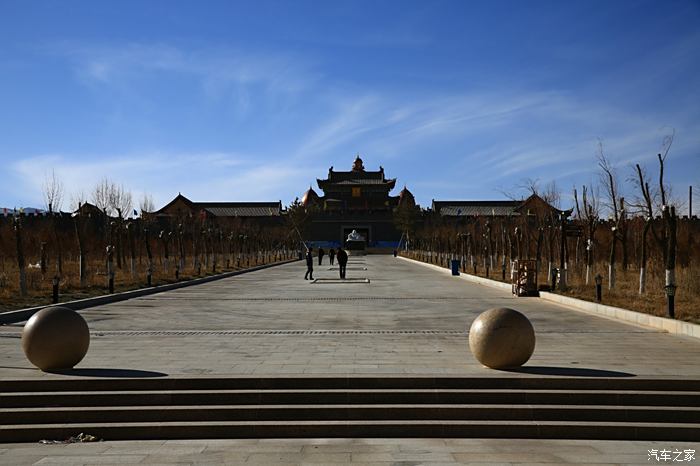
{"type": "Point", "coordinates": [407, 320]}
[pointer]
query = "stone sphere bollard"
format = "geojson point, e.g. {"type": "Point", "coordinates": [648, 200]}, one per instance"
{"type": "Point", "coordinates": [55, 338]}
{"type": "Point", "coordinates": [501, 338]}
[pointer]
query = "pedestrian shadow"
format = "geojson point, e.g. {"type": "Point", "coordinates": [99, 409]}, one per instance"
{"type": "Point", "coordinates": [114, 373]}
{"type": "Point", "coordinates": [568, 371]}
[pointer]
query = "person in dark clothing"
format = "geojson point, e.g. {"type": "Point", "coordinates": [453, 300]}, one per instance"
{"type": "Point", "coordinates": [321, 253]}
{"type": "Point", "coordinates": [309, 265]}
{"type": "Point", "coordinates": [331, 255]}
{"type": "Point", "coordinates": [342, 261]}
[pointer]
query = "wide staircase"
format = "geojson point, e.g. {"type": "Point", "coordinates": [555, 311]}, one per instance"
{"type": "Point", "coordinates": [506, 407]}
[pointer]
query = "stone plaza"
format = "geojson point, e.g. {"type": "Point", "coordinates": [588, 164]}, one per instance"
{"type": "Point", "coordinates": [404, 320]}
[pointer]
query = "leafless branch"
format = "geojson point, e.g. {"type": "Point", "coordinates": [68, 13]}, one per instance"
{"type": "Point", "coordinates": [52, 189]}
{"type": "Point", "coordinates": [146, 205]}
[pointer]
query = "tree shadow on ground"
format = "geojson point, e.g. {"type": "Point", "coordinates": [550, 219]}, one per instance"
{"type": "Point", "coordinates": [568, 371]}
{"type": "Point", "coordinates": [100, 372]}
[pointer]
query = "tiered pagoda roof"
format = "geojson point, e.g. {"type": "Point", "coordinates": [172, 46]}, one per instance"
{"type": "Point", "coordinates": [358, 176]}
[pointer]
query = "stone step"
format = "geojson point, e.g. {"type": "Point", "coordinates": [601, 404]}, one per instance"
{"type": "Point", "coordinates": [630, 414]}
{"type": "Point", "coordinates": [333, 382]}
{"type": "Point", "coordinates": [354, 396]}
{"type": "Point", "coordinates": [164, 408]}
{"type": "Point", "coordinates": [356, 429]}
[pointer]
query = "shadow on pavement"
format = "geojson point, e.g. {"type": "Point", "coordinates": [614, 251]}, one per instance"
{"type": "Point", "coordinates": [97, 372]}
{"type": "Point", "coordinates": [568, 371]}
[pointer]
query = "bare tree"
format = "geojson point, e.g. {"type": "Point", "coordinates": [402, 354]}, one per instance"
{"type": "Point", "coordinates": [17, 223]}
{"type": "Point", "coordinates": [551, 194]}
{"type": "Point", "coordinates": [667, 239]}
{"type": "Point", "coordinates": [616, 205]}
{"type": "Point", "coordinates": [114, 200]}
{"type": "Point", "coordinates": [82, 271]}
{"type": "Point", "coordinates": [146, 204]}
{"type": "Point", "coordinates": [52, 189]}
{"type": "Point", "coordinates": [101, 195]}
{"type": "Point", "coordinates": [590, 216]}
{"type": "Point", "coordinates": [77, 199]}
{"type": "Point", "coordinates": [121, 201]}
{"type": "Point", "coordinates": [645, 205]}
{"type": "Point", "coordinates": [53, 197]}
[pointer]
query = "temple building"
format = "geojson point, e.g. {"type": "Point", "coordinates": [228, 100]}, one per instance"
{"type": "Point", "coordinates": [357, 199]}
{"type": "Point", "coordinates": [533, 205]}
{"type": "Point", "coordinates": [181, 207]}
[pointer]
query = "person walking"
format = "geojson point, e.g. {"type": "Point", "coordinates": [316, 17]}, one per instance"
{"type": "Point", "coordinates": [309, 264]}
{"type": "Point", "coordinates": [321, 253]}
{"type": "Point", "coordinates": [331, 255]}
{"type": "Point", "coordinates": [342, 262]}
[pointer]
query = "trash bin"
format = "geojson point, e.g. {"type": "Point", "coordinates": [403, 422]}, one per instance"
{"type": "Point", "coordinates": [301, 255]}
{"type": "Point", "coordinates": [455, 267]}
{"type": "Point", "coordinates": [395, 253]}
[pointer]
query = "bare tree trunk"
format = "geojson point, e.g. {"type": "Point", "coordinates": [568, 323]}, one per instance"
{"type": "Point", "coordinates": [562, 254]}
{"type": "Point", "coordinates": [643, 264]}
{"type": "Point", "coordinates": [214, 255]}
{"type": "Point", "coordinates": [131, 240]}
{"type": "Point", "coordinates": [611, 263]}
{"type": "Point", "coordinates": [181, 246]}
{"type": "Point", "coordinates": [671, 225]}
{"type": "Point", "coordinates": [550, 251]}
{"type": "Point", "coordinates": [147, 242]}
{"type": "Point", "coordinates": [538, 252]}
{"type": "Point", "coordinates": [81, 252]}
{"type": "Point", "coordinates": [20, 257]}
{"type": "Point", "coordinates": [110, 267]}
{"type": "Point", "coordinates": [589, 260]}
{"type": "Point", "coordinates": [195, 252]}
{"type": "Point", "coordinates": [59, 252]}
{"type": "Point", "coordinates": [166, 256]}
{"type": "Point", "coordinates": [119, 243]}
{"type": "Point", "coordinates": [42, 259]}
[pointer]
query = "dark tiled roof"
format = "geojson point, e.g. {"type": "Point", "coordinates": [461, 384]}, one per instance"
{"type": "Point", "coordinates": [325, 184]}
{"type": "Point", "coordinates": [242, 212]}
{"type": "Point", "coordinates": [241, 209]}
{"type": "Point", "coordinates": [361, 182]}
{"type": "Point", "coordinates": [475, 208]}
{"type": "Point", "coordinates": [335, 177]}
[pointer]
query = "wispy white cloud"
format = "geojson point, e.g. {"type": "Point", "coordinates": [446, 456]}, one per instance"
{"type": "Point", "coordinates": [351, 119]}
{"type": "Point", "coordinates": [218, 71]}
{"type": "Point", "coordinates": [493, 138]}
{"type": "Point", "coordinates": [206, 176]}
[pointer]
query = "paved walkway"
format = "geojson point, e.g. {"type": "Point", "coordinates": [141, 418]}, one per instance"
{"type": "Point", "coordinates": [379, 452]}
{"type": "Point", "coordinates": [408, 320]}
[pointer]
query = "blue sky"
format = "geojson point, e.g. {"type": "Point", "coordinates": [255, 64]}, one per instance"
{"type": "Point", "coordinates": [254, 101]}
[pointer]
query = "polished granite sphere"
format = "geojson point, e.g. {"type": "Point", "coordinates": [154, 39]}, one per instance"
{"type": "Point", "coordinates": [502, 338]}
{"type": "Point", "coordinates": [55, 338]}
